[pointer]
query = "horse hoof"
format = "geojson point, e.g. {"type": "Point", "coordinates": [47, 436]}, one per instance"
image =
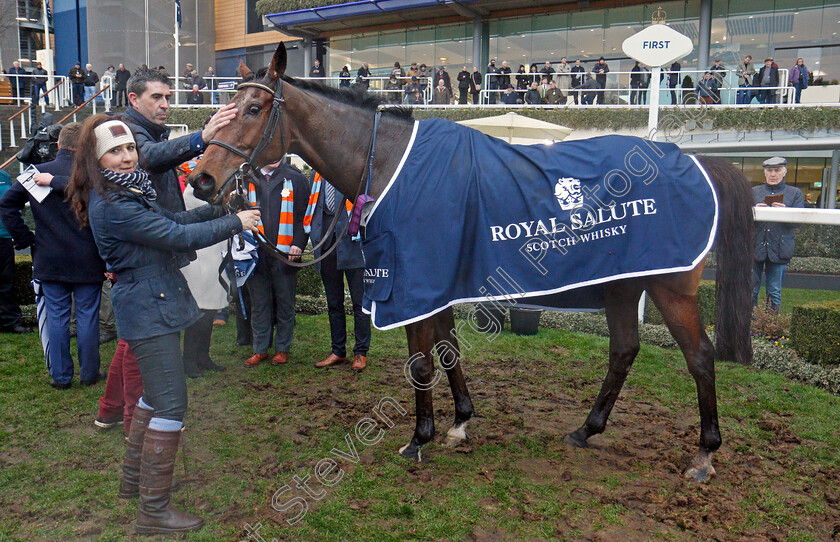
{"type": "Point", "coordinates": [410, 452]}
{"type": "Point", "coordinates": [700, 475]}
{"type": "Point", "coordinates": [455, 436]}
{"type": "Point", "coordinates": [576, 440]}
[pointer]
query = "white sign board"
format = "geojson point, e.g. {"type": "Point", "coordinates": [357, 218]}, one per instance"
{"type": "Point", "coordinates": [657, 45]}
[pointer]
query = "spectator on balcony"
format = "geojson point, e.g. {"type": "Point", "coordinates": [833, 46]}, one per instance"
{"type": "Point", "coordinates": [39, 85]}
{"type": "Point", "coordinates": [522, 80]}
{"type": "Point", "coordinates": [492, 81]}
{"type": "Point", "coordinates": [577, 79]}
{"type": "Point", "coordinates": [18, 83]}
{"type": "Point", "coordinates": [344, 78]}
{"type": "Point", "coordinates": [91, 79]}
{"type": "Point", "coordinates": [547, 71]}
{"type": "Point", "coordinates": [442, 75]}
{"type": "Point", "coordinates": [553, 95]}
{"type": "Point", "coordinates": [634, 83]}
{"type": "Point", "coordinates": [210, 82]}
{"type": "Point", "coordinates": [644, 83]}
{"type": "Point", "coordinates": [412, 71]}
{"type": "Point", "coordinates": [442, 94]}
{"type": "Point", "coordinates": [746, 72]}
{"type": "Point", "coordinates": [718, 71]}
{"type": "Point", "coordinates": [533, 76]}
{"type": "Point", "coordinates": [120, 80]}
{"type": "Point", "coordinates": [195, 97]}
{"type": "Point", "coordinates": [564, 80]}
{"type": "Point", "coordinates": [475, 85]}
{"type": "Point", "coordinates": [589, 90]}
{"type": "Point", "coordinates": [532, 97]}
{"type": "Point", "coordinates": [393, 90]}
{"type": "Point", "coordinates": [77, 83]}
{"type": "Point", "coordinates": [766, 81]}
{"type": "Point", "coordinates": [601, 70]}
{"type": "Point", "coordinates": [706, 88]}
{"type": "Point", "coordinates": [413, 92]}
{"type": "Point", "coordinates": [399, 74]}
{"type": "Point", "coordinates": [317, 70]}
{"type": "Point", "coordinates": [463, 85]}
{"type": "Point", "coordinates": [363, 77]}
{"type": "Point", "coordinates": [423, 78]}
{"type": "Point", "coordinates": [674, 82]}
{"type": "Point", "coordinates": [799, 75]}
{"type": "Point", "coordinates": [504, 77]}
{"type": "Point", "coordinates": [510, 97]}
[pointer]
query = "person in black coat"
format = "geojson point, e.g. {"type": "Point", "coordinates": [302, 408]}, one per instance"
{"type": "Point", "coordinates": [272, 286]}
{"type": "Point", "coordinates": [345, 262]}
{"type": "Point", "coordinates": [120, 80]}
{"type": "Point", "coordinates": [442, 74]}
{"type": "Point", "coordinates": [363, 76]}
{"type": "Point", "coordinates": [463, 85]}
{"type": "Point", "coordinates": [475, 85]}
{"type": "Point", "coordinates": [65, 261]}
{"type": "Point", "coordinates": [9, 306]}
{"type": "Point", "coordinates": [601, 70]}
{"type": "Point", "coordinates": [767, 78]}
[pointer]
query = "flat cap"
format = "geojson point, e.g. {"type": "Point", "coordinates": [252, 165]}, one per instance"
{"type": "Point", "coordinates": [776, 161]}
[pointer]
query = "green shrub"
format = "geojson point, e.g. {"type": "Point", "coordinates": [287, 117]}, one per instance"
{"type": "Point", "coordinates": [309, 283]}
{"type": "Point", "coordinates": [768, 324]}
{"type": "Point", "coordinates": [705, 299]}
{"type": "Point", "coordinates": [23, 279]}
{"type": "Point", "coordinates": [815, 332]}
{"type": "Point", "coordinates": [819, 240]}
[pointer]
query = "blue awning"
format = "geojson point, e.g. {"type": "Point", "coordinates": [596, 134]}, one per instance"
{"type": "Point", "coordinates": [351, 9]}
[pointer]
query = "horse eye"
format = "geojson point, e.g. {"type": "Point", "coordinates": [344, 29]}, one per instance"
{"type": "Point", "coordinates": [254, 110]}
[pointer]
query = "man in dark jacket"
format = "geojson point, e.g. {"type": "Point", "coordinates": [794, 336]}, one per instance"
{"type": "Point", "coordinates": [77, 82]}
{"type": "Point", "coordinates": [9, 308]}
{"type": "Point", "coordinates": [492, 81]}
{"type": "Point", "coordinates": [345, 262]}
{"type": "Point", "coordinates": [39, 85]}
{"type": "Point", "coordinates": [442, 74]}
{"type": "Point", "coordinates": [149, 94]}
{"type": "Point", "coordinates": [577, 80]}
{"type": "Point", "coordinates": [120, 81]}
{"type": "Point", "coordinates": [317, 70]}
{"type": "Point", "coordinates": [674, 82]}
{"type": "Point", "coordinates": [463, 85]}
{"type": "Point", "coordinates": [272, 286]}
{"type": "Point", "coordinates": [66, 262]}
{"type": "Point", "coordinates": [363, 76]}
{"type": "Point", "coordinates": [774, 240]}
{"type": "Point", "coordinates": [601, 70]}
{"type": "Point", "coordinates": [18, 83]}
{"type": "Point", "coordinates": [766, 80]}
{"type": "Point", "coordinates": [91, 79]}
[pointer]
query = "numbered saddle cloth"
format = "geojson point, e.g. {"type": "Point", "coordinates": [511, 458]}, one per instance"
{"type": "Point", "coordinates": [467, 217]}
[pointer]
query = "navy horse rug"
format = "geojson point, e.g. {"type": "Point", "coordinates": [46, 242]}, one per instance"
{"type": "Point", "coordinates": [467, 217]}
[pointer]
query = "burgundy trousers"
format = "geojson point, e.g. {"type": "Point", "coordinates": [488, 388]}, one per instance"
{"type": "Point", "coordinates": [124, 386]}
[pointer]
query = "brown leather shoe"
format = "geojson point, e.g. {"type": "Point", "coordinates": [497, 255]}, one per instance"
{"type": "Point", "coordinates": [280, 358]}
{"type": "Point", "coordinates": [359, 363]}
{"type": "Point", "coordinates": [331, 360]}
{"type": "Point", "coordinates": [255, 360]}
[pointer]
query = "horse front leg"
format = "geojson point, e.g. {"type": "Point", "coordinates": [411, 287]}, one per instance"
{"type": "Point", "coordinates": [420, 371]}
{"type": "Point", "coordinates": [621, 300]}
{"type": "Point", "coordinates": [449, 355]}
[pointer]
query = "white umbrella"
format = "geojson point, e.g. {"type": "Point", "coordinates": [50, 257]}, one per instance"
{"type": "Point", "coordinates": [516, 128]}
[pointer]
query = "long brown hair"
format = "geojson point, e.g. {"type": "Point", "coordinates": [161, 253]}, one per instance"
{"type": "Point", "coordinates": [86, 171]}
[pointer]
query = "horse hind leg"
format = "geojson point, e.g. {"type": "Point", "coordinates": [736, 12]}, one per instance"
{"type": "Point", "coordinates": [449, 355]}
{"type": "Point", "coordinates": [622, 319]}
{"type": "Point", "coordinates": [421, 373]}
{"type": "Point", "coordinates": [682, 316]}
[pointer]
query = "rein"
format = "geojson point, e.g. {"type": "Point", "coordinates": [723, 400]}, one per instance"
{"type": "Point", "coordinates": [248, 168]}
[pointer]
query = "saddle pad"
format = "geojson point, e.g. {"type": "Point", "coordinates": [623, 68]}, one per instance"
{"type": "Point", "coordinates": [467, 217]}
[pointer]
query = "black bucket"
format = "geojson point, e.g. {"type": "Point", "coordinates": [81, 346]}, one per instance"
{"type": "Point", "coordinates": [490, 317]}
{"type": "Point", "coordinates": [524, 321]}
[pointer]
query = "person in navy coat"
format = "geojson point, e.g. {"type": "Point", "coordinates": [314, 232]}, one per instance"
{"type": "Point", "coordinates": [65, 261]}
{"type": "Point", "coordinates": [345, 262]}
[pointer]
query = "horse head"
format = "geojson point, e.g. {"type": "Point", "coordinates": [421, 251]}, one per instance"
{"type": "Point", "coordinates": [245, 143]}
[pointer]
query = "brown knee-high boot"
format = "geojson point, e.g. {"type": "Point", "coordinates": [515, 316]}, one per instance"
{"type": "Point", "coordinates": [157, 464]}
{"type": "Point", "coordinates": [129, 485]}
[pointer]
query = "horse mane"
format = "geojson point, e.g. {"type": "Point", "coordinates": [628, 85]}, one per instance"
{"type": "Point", "coordinates": [348, 96]}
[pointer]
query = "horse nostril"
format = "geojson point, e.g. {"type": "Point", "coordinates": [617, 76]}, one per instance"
{"type": "Point", "coordinates": [205, 181]}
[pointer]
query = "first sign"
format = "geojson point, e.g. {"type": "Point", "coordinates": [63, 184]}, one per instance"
{"type": "Point", "coordinates": [657, 45]}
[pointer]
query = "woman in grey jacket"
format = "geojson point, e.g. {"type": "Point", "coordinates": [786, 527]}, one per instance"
{"type": "Point", "coordinates": [145, 246]}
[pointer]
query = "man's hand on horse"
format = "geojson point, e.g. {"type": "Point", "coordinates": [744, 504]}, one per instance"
{"type": "Point", "coordinates": [294, 253]}
{"type": "Point", "coordinates": [249, 220]}
{"type": "Point", "coordinates": [218, 121]}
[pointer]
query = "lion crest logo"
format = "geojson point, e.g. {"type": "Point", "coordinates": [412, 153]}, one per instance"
{"type": "Point", "coordinates": [568, 194]}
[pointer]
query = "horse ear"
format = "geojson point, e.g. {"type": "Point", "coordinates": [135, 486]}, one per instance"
{"type": "Point", "coordinates": [278, 63]}
{"type": "Point", "coordinates": [243, 69]}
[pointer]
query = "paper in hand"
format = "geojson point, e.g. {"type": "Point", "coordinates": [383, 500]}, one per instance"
{"type": "Point", "coordinates": [26, 179]}
{"type": "Point", "coordinates": [775, 198]}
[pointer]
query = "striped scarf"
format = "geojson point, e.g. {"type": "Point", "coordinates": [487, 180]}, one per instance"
{"type": "Point", "coordinates": [285, 232]}
{"type": "Point", "coordinates": [313, 201]}
{"type": "Point", "coordinates": [138, 180]}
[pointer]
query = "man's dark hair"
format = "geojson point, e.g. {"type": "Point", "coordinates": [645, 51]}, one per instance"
{"type": "Point", "coordinates": [68, 138]}
{"type": "Point", "coordinates": [140, 79]}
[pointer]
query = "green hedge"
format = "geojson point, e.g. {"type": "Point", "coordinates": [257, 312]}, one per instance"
{"type": "Point", "coordinates": [705, 298]}
{"type": "Point", "coordinates": [23, 278]}
{"type": "Point", "coordinates": [815, 332]}
{"type": "Point", "coordinates": [267, 7]}
{"type": "Point", "coordinates": [794, 120]}
{"type": "Point", "coordinates": [817, 240]}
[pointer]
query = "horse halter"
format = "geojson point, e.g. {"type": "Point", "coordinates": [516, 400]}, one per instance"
{"type": "Point", "coordinates": [249, 166]}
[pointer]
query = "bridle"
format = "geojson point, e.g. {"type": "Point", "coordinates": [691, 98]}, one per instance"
{"type": "Point", "coordinates": [248, 169]}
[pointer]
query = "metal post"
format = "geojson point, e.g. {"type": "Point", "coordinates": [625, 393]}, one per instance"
{"type": "Point", "coordinates": [177, 61]}
{"type": "Point", "coordinates": [653, 113]}
{"type": "Point", "coordinates": [307, 56]}
{"type": "Point", "coordinates": [12, 142]}
{"type": "Point", "coordinates": [831, 195]}
{"type": "Point", "coordinates": [146, 20]}
{"type": "Point", "coordinates": [476, 44]}
{"type": "Point", "coordinates": [705, 38]}
{"type": "Point", "coordinates": [50, 64]}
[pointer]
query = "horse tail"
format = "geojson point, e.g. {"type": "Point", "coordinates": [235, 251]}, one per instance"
{"type": "Point", "coordinates": [733, 291]}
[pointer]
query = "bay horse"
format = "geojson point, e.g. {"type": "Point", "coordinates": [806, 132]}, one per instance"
{"type": "Point", "coordinates": [331, 130]}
